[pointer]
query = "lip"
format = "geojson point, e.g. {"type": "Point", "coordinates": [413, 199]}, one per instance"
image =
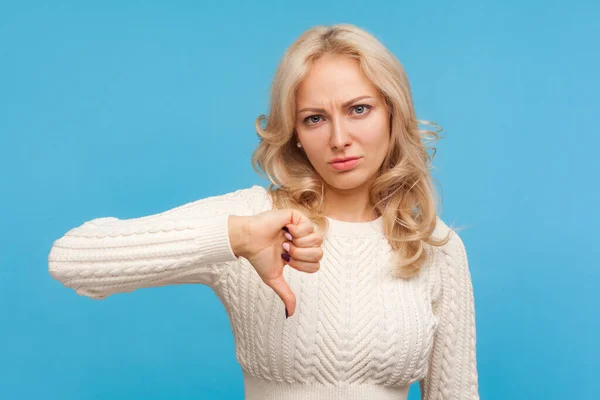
{"type": "Point", "coordinates": [342, 159]}
{"type": "Point", "coordinates": [346, 164]}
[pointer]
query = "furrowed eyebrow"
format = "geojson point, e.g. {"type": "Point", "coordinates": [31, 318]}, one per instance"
{"type": "Point", "coordinates": [346, 104]}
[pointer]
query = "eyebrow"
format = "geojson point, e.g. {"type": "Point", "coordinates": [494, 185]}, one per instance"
{"type": "Point", "coordinates": [346, 104]}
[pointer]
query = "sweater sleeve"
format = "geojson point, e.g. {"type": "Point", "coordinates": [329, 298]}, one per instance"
{"type": "Point", "coordinates": [452, 373]}
{"type": "Point", "coordinates": [186, 244]}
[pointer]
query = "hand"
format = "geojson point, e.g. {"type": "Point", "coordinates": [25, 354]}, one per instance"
{"type": "Point", "coordinates": [264, 249]}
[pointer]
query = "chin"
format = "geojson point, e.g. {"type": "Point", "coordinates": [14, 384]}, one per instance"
{"type": "Point", "coordinates": [346, 181]}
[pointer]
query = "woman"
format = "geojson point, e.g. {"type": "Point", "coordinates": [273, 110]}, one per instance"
{"type": "Point", "coordinates": [378, 286]}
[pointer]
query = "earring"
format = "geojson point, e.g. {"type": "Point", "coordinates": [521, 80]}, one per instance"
{"type": "Point", "coordinates": [298, 144]}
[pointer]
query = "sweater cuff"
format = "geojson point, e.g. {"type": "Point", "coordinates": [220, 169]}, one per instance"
{"type": "Point", "coordinates": [213, 239]}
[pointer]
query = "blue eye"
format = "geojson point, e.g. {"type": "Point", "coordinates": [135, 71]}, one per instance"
{"type": "Point", "coordinates": [361, 108]}
{"type": "Point", "coordinates": [311, 120]}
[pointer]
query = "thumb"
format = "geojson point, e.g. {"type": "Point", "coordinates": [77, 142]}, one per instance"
{"type": "Point", "coordinates": [283, 290]}
{"type": "Point", "coordinates": [287, 216]}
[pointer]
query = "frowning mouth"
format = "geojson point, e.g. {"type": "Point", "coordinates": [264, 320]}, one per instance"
{"type": "Point", "coordinates": [343, 159]}
{"type": "Point", "coordinates": [344, 164]}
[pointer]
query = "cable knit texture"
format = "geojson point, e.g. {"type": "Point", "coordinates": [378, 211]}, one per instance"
{"type": "Point", "coordinates": [357, 333]}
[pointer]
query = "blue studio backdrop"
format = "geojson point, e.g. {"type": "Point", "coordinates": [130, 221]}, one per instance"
{"type": "Point", "coordinates": [127, 109]}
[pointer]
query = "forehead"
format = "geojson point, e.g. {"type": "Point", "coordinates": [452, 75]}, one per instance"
{"type": "Point", "coordinates": [333, 78]}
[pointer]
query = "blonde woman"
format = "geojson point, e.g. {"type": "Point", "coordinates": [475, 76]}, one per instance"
{"type": "Point", "coordinates": [345, 241]}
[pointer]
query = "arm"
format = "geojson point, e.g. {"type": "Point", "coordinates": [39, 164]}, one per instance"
{"type": "Point", "coordinates": [452, 371]}
{"type": "Point", "coordinates": [191, 243]}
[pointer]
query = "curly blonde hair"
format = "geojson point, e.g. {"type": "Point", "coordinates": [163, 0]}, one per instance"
{"type": "Point", "coordinates": [403, 193]}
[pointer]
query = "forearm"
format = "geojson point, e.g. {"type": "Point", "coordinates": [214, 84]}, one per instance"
{"type": "Point", "coordinates": [107, 255]}
{"type": "Point", "coordinates": [186, 244]}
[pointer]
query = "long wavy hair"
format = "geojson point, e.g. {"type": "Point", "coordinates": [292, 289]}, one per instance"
{"type": "Point", "coordinates": [403, 193]}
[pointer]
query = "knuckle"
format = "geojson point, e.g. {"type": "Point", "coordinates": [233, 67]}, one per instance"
{"type": "Point", "coordinates": [319, 240]}
{"type": "Point", "coordinates": [318, 254]}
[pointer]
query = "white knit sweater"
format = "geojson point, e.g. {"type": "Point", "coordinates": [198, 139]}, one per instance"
{"type": "Point", "coordinates": [357, 332]}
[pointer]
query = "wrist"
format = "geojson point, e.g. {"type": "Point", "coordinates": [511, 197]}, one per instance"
{"type": "Point", "coordinates": [239, 234]}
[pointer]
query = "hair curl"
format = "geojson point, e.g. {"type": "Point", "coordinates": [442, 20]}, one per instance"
{"type": "Point", "coordinates": [403, 193]}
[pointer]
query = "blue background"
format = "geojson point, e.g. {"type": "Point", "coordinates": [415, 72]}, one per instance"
{"type": "Point", "coordinates": [130, 108]}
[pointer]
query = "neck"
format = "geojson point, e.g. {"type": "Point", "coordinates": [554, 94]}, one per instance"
{"type": "Point", "coordinates": [350, 205]}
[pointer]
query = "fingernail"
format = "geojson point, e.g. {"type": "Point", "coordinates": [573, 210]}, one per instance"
{"type": "Point", "coordinates": [285, 256]}
{"type": "Point", "coordinates": [286, 246]}
{"type": "Point", "coordinates": [288, 236]}
{"type": "Point", "coordinates": [286, 313]}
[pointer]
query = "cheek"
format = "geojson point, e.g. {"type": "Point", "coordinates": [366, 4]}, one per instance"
{"type": "Point", "coordinates": [375, 132]}
{"type": "Point", "coordinates": [313, 139]}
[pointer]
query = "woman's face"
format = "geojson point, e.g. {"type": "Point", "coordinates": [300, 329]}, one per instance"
{"type": "Point", "coordinates": [341, 114]}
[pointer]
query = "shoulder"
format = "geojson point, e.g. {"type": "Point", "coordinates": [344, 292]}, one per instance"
{"type": "Point", "coordinates": [258, 198]}
{"type": "Point", "coordinates": [242, 201]}
{"type": "Point", "coordinates": [455, 245]}
{"type": "Point", "coordinates": [449, 261]}
{"type": "Point", "coordinates": [250, 200]}
{"type": "Point", "coordinates": [254, 193]}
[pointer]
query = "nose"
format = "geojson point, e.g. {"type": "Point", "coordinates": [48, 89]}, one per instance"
{"type": "Point", "coordinates": [339, 136]}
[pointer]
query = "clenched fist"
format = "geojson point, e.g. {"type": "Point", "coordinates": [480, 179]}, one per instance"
{"type": "Point", "coordinates": [262, 240]}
